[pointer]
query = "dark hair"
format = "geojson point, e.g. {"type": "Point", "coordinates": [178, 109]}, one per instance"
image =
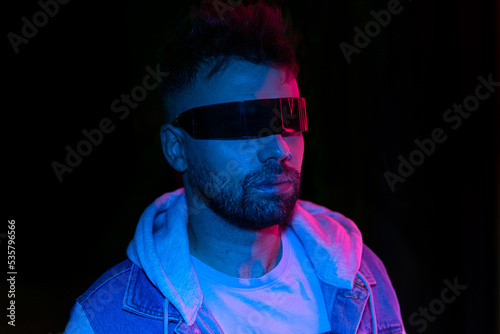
{"type": "Point", "coordinates": [218, 33]}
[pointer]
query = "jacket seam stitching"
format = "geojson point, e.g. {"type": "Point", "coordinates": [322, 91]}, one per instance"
{"type": "Point", "coordinates": [96, 326]}
{"type": "Point", "coordinates": [103, 283]}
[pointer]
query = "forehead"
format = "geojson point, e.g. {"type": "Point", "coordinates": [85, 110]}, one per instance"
{"type": "Point", "coordinates": [241, 80]}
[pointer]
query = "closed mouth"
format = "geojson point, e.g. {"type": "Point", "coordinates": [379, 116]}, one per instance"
{"type": "Point", "coordinates": [274, 187]}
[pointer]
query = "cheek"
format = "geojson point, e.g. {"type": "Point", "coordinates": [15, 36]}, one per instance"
{"type": "Point", "coordinates": [205, 151]}
{"type": "Point", "coordinates": [296, 145]}
{"type": "Point", "coordinates": [225, 163]}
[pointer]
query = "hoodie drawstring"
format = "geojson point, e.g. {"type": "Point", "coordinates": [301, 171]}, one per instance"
{"type": "Point", "coordinates": [372, 308]}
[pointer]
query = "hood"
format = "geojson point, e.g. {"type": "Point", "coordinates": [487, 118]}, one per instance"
{"type": "Point", "coordinates": [332, 242]}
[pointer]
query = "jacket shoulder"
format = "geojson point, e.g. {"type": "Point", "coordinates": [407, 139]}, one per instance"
{"type": "Point", "coordinates": [115, 278]}
{"type": "Point", "coordinates": [372, 265]}
{"type": "Point", "coordinates": [122, 301]}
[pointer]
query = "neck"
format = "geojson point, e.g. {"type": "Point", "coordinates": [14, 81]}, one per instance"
{"type": "Point", "coordinates": [232, 250]}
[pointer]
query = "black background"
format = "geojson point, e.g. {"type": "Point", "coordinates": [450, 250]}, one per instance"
{"type": "Point", "coordinates": [440, 224]}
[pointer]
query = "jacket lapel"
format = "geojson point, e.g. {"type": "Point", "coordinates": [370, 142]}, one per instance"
{"type": "Point", "coordinates": [142, 297]}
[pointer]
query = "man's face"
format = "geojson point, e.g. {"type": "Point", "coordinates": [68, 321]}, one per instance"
{"type": "Point", "coordinates": [251, 183]}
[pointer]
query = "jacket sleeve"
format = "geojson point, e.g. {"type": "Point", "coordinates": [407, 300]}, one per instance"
{"type": "Point", "coordinates": [78, 322]}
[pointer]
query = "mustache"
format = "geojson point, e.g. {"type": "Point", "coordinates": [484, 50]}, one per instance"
{"type": "Point", "coordinates": [273, 172]}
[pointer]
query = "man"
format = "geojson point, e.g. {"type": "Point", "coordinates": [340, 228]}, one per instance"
{"type": "Point", "coordinates": [235, 250]}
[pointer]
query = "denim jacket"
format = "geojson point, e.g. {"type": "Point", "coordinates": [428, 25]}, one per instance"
{"type": "Point", "coordinates": [157, 291]}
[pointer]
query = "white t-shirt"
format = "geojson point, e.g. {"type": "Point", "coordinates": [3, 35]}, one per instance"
{"type": "Point", "coordinates": [288, 299]}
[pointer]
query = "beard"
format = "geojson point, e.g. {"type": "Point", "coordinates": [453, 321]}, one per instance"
{"type": "Point", "coordinates": [241, 204]}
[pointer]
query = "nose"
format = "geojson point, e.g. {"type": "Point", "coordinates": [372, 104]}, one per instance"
{"type": "Point", "coordinates": [273, 147]}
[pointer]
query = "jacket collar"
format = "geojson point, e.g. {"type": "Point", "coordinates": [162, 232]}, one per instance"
{"type": "Point", "coordinates": [141, 297]}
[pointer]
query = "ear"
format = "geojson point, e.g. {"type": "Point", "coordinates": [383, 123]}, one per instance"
{"type": "Point", "coordinates": [173, 142]}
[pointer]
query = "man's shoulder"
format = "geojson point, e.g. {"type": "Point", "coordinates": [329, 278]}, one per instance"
{"type": "Point", "coordinates": [386, 304]}
{"type": "Point", "coordinates": [124, 286]}
{"type": "Point", "coordinates": [373, 267]}
{"type": "Point", "coordinates": [374, 270]}
{"type": "Point", "coordinates": [122, 300]}
{"type": "Point", "coordinates": [111, 282]}
{"type": "Point", "coordinates": [371, 262]}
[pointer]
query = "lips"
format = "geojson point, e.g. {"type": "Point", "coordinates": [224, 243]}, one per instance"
{"type": "Point", "coordinates": [276, 186]}
{"type": "Point", "coordinates": [273, 179]}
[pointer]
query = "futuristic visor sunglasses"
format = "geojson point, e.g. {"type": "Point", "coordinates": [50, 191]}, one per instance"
{"type": "Point", "coordinates": [244, 119]}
